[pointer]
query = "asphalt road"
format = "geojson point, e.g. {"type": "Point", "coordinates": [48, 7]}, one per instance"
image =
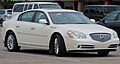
{"type": "Point", "coordinates": [29, 55]}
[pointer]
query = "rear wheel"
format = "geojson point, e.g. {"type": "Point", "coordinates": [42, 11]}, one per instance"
{"type": "Point", "coordinates": [103, 53]}
{"type": "Point", "coordinates": [58, 45]}
{"type": "Point", "coordinates": [11, 42]}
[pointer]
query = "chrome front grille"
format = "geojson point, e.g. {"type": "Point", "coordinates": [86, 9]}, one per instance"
{"type": "Point", "coordinates": [102, 37]}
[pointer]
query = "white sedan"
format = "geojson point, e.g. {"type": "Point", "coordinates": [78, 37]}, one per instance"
{"type": "Point", "coordinates": [60, 31]}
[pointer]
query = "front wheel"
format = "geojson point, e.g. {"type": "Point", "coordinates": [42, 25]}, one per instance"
{"type": "Point", "coordinates": [11, 42]}
{"type": "Point", "coordinates": [103, 53]}
{"type": "Point", "coordinates": [59, 45]}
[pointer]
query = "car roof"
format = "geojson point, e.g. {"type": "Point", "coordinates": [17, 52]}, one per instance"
{"type": "Point", "coordinates": [102, 5]}
{"type": "Point", "coordinates": [36, 3]}
{"type": "Point", "coordinates": [54, 10]}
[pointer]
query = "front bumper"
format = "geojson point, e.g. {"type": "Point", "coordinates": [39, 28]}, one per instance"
{"type": "Point", "coordinates": [89, 45]}
{"type": "Point", "coordinates": [95, 50]}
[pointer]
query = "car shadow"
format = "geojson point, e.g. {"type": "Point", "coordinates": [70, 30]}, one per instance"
{"type": "Point", "coordinates": [46, 52]}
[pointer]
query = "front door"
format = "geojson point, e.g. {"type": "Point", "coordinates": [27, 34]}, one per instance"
{"type": "Point", "coordinates": [40, 32]}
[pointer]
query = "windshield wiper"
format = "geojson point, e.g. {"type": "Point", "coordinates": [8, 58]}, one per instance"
{"type": "Point", "coordinates": [80, 23]}
{"type": "Point", "coordinates": [61, 23]}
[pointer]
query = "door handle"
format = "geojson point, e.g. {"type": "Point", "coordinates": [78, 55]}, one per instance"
{"type": "Point", "coordinates": [17, 26]}
{"type": "Point", "coordinates": [32, 28]}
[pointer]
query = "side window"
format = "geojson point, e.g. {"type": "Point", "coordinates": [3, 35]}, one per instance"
{"type": "Point", "coordinates": [25, 8]}
{"type": "Point", "coordinates": [27, 16]}
{"type": "Point", "coordinates": [18, 8]}
{"type": "Point", "coordinates": [99, 11]}
{"type": "Point", "coordinates": [9, 11]}
{"type": "Point", "coordinates": [111, 17]}
{"type": "Point", "coordinates": [30, 6]}
{"type": "Point", "coordinates": [40, 15]}
{"type": "Point", "coordinates": [86, 10]}
{"type": "Point", "coordinates": [35, 6]}
{"type": "Point", "coordinates": [118, 17]}
{"type": "Point", "coordinates": [92, 10]}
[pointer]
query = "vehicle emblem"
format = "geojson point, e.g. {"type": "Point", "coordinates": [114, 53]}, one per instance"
{"type": "Point", "coordinates": [102, 36]}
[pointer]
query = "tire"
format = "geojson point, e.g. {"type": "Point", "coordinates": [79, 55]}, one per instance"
{"type": "Point", "coordinates": [59, 48]}
{"type": "Point", "coordinates": [103, 53]}
{"type": "Point", "coordinates": [1, 21]}
{"type": "Point", "coordinates": [11, 42]}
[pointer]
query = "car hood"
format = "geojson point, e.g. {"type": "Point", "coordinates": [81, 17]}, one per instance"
{"type": "Point", "coordinates": [85, 28]}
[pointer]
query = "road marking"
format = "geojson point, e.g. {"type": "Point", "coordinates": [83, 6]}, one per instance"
{"type": "Point", "coordinates": [66, 59]}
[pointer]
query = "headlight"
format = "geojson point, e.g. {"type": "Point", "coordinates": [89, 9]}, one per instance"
{"type": "Point", "coordinates": [115, 35]}
{"type": "Point", "coordinates": [76, 34]}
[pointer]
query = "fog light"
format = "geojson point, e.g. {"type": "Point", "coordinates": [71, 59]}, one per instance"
{"type": "Point", "coordinates": [78, 46]}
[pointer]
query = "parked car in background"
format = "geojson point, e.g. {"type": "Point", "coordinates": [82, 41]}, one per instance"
{"type": "Point", "coordinates": [60, 31]}
{"type": "Point", "coordinates": [112, 21]}
{"type": "Point", "coordinates": [97, 12]}
{"type": "Point", "coordinates": [20, 7]}
{"type": "Point", "coordinates": [5, 14]}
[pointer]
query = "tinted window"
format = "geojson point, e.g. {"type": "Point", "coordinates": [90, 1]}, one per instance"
{"type": "Point", "coordinates": [30, 6]}
{"type": "Point", "coordinates": [87, 10]}
{"type": "Point", "coordinates": [92, 10]}
{"type": "Point", "coordinates": [40, 15]}
{"type": "Point", "coordinates": [35, 6]}
{"type": "Point", "coordinates": [27, 16]}
{"type": "Point", "coordinates": [99, 11]}
{"type": "Point", "coordinates": [2, 11]}
{"type": "Point", "coordinates": [51, 6]}
{"type": "Point", "coordinates": [111, 17]}
{"type": "Point", "coordinates": [18, 8]}
{"type": "Point", "coordinates": [111, 9]}
{"type": "Point", "coordinates": [9, 11]}
{"type": "Point", "coordinates": [118, 17]}
{"type": "Point", "coordinates": [26, 5]}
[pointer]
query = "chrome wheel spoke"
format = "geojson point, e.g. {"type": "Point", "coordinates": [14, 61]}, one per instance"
{"type": "Point", "coordinates": [56, 46]}
{"type": "Point", "coordinates": [10, 42]}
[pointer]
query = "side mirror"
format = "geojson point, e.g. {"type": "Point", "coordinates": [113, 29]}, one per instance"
{"type": "Point", "coordinates": [43, 21]}
{"type": "Point", "coordinates": [93, 20]}
{"type": "Point", "coordinates": [102, 20]}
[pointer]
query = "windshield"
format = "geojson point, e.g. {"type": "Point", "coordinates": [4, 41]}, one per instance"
{"type": "Point", "coordinates": [49, 6]}
{"type": "Point", "coordinates": [110, 9]}
{"type": "Point", "coordinates": [69, 18]}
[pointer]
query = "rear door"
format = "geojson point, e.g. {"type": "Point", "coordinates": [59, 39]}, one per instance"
{"type": "Point", "coordinates": [23, 27]}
